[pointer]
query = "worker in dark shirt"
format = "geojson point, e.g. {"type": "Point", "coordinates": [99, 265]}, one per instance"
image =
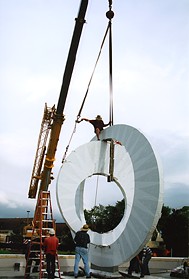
{"type": "Point", "coordinates": [97, 123]}
{"type": "Point", "coordinates": [82, 239]}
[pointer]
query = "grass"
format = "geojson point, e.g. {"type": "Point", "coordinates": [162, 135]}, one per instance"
{"type": "Point", "coordinates": [2, 252]}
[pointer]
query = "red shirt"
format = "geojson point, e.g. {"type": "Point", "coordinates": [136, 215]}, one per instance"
{"type": "Point", "coordinates": [51, 245]}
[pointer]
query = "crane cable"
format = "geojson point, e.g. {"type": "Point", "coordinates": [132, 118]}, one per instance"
{"type": "Point", "coordinates": [90, 80]}
{"type": "Point", "coordinates": [109, 15]}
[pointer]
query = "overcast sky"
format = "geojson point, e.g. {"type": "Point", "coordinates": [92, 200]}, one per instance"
{"type": "Point", "coordinates": [150, 85]}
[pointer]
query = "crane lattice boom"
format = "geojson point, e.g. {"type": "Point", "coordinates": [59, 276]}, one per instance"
{"type": "Point", "coordinates": [41, 147]}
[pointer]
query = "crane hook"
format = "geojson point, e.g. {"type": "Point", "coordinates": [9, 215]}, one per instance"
{"type": "Point", "coordinates": [110, 13]}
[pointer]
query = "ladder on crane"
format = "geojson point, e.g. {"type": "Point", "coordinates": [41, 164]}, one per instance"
{"type": "Point", "coordinates": [43, 221]}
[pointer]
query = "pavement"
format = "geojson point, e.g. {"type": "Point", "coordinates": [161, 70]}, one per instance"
{"type": "Point", "coordinates": [7, 272]}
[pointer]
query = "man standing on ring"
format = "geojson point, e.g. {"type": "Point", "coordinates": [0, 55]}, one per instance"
{"type": "Point", "coordinates": [97, 123]}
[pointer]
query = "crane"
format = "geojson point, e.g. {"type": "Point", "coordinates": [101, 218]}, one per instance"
{"type": "Point", "coordinates": [51, 124]}
{"type": "Point", "coordinates": [53, 118]}
{"type": "Point", "coordinates": [52, 121]}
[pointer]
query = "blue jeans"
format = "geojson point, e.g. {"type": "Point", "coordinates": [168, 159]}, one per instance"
{"type": "Point", "coordinates": [81, 252]}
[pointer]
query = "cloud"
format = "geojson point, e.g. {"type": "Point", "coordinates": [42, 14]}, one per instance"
{"type": "Point", "coordinates": [8, 202]}
{"type": "Point", "coordinates": [176, 195]}
{"type": "Point", "coordinates": [3, 198]}
{"type": "Point", "coordinates": [11, 208]}
{"type": "Point", "coordinates": [173, 149]}
{"type": "Point", "coordinates": [18, 211]}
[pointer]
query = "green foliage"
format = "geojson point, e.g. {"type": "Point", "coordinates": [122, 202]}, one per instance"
{"type": "Point", "coordinates": [173, 224]}
{"type": "Point", "coordinates": [67, 243]}
{"type": "Point", "coordinates": [3, 252]}
{"type": "Point", "coordinates": [102, 219]}
{"type": "Point", "coordinates": [175, 230]}
{"type": "Point", "coordinates": [165, 213]}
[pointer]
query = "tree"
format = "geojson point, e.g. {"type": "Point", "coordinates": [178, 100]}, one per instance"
{"type": "Point", "coordinates": [165, 213]}
{"type": "Point", "coordinates": [102, 219]}
{"type": "Point", "coordinates": [66, 241]}
{"type": "Point", "coordinates": [174, 227]}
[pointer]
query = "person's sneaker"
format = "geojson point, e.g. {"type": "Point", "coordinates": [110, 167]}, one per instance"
{"type": "Point", "coordinates": [88, 276]}
{"type": "Point", "coordinates": [75, 276]}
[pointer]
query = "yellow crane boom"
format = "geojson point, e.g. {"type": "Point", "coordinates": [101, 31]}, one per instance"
{"type": "Point", "coordinates": [56, 117]}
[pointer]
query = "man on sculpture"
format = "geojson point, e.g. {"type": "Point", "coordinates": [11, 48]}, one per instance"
{"type": "Point", "coordinates": [97, 123]}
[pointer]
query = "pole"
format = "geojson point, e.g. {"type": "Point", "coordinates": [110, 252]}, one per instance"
{"type": "Point", "coordinates": [28, 212]}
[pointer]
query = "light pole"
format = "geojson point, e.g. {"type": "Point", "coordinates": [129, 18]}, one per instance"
{"type": "Point", "coordinates": [28, 213]}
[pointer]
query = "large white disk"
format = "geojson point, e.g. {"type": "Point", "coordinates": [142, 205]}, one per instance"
{"type": "Point", "coordinates": [138, 175]}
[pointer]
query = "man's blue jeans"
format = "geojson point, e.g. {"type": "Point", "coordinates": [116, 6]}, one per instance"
{"type": "Point", "coordinates": [81, 252]}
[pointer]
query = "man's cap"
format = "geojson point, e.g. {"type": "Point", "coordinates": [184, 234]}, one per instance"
{"type": "Point", "coordinates": [98, 117]}
{"type": "Point", "coordinates": [85, 228]}
{"type": "Point", "coordinates": [51, 231]}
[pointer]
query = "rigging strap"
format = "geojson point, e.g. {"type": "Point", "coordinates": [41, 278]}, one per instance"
{"type": "Point", "coordinates": [110, 75]}
{"type": "Point", "coordinates": [79, 113]}
{"type": "Point", "coordinates": [65, 153]}
{"type": "Point", "coordinates": [109, 15]}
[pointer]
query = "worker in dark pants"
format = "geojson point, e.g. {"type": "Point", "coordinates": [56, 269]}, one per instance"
{"type": "Point", "coordinates": [134, 266]}
{"type": "Point", "coordinates": [82, 240]}
{"type": "Point", "coordinates": [50, 248]}
{"type": "Point", "coordinates": [97, 123]}
{"type": "Point", "coordinates": [146, 256]}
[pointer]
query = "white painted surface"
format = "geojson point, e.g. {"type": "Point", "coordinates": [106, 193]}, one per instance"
{"type": "Point", "coordinates": [138, 174]}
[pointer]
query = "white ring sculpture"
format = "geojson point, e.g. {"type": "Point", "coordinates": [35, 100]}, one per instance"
{"type": "Point", "coordinates": [136, 172]}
